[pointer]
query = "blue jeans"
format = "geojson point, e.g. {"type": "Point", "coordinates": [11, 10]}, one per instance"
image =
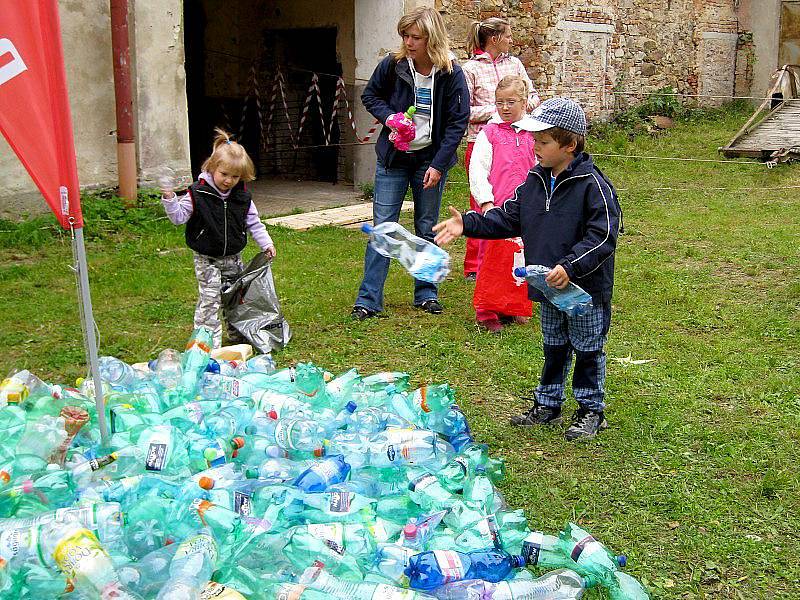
{"type": "Point", "coordinates": [391, 184]}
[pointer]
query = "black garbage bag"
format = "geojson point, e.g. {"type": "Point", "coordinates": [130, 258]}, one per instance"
{"type": "Point", "coordinates": [252, 307]}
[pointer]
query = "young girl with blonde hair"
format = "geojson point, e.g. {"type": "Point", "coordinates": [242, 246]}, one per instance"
{"type": "Point", "coordinates": [218, 211]}
{"type": "Point", "coordinates": [502, 156]}
{"type": "Point", "coordinates": [420, 73]}
{"type": "Point", "coordinates": [488, 44]}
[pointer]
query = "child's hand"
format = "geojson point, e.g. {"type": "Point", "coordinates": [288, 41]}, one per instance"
{"type": "Point", "coordinates": [486, 206]}
{"type": "Point", "coordinates": [448, 230]}
{"type": "Point", "coordinates": [557, 278]}
{"type": "Point", "coordinates": [270, 252]}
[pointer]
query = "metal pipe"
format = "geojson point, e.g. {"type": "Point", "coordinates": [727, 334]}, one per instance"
{"type": "Point", "coordinates": [126, 143]}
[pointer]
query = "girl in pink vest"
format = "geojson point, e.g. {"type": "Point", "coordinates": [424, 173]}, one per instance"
{"type": "Point", "coordinates": [502, 156]}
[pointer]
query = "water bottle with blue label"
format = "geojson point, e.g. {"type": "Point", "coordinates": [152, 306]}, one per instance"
{"type": "Point", "coordinates": [424, 260]}
{"type": "Point", "coordinates": [572, 300]}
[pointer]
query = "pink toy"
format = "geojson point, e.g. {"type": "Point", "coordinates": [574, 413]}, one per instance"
{"type": "Point", "coordinates": [404, 129]}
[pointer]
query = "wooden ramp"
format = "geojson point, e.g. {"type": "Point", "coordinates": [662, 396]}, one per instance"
{"type": "Point", "coordinates": [773, 132]}
{"type": "Point", "coordinates": [344, 216]}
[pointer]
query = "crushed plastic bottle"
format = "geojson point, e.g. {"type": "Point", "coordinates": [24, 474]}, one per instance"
{"type": "Point", "coordinates": [424, 260]}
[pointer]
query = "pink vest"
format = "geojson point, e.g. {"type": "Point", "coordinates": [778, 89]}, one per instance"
{"type": "Point", "coordinates": [512, 158]}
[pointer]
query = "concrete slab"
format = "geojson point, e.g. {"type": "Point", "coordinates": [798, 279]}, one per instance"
{"type": "Point", "coordinates": [275, 197]}
{"type": "Point", "coordinates": [347, 216]}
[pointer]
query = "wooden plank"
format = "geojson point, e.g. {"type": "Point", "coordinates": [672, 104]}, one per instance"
{"type": "Point", "coordinates": [345, 215]}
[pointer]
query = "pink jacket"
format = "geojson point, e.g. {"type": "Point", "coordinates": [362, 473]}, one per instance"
{"type": "Point", "coordinates": [501, 159]}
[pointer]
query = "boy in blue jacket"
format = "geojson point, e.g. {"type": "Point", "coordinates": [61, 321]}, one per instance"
{"type": "Point", "coordinates": [568, 216]}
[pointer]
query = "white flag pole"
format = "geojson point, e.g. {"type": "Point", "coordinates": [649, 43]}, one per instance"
{"type": "Point", "coordinates": [87, 322]}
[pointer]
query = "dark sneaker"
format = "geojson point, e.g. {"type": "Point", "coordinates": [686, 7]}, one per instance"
{"type": "Point", "coordinates": [538, 415]}
{"type": "Point", "coordinates": [586, 424]}
{"type": "Point", "coordinates": [359, 313]}
{"type": "Point", "coordinates": [431, 306]}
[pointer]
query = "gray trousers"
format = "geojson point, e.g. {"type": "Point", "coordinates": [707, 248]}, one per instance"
{"type": "Point", "coordinates": [213, 276]}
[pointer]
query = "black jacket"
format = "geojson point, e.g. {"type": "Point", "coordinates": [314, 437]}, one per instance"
{"type": "Point", "coordinates": [576, 226]}
{"type": "Point", "coordinates": [217, 227]}
{"type": "Point", "coordinates": [391, 90]}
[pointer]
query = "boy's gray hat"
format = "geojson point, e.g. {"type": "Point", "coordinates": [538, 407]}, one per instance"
{"type": "Point", "coordinates": [559, 112]}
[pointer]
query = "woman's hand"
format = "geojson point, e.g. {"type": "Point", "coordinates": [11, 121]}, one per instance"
{"type": "Point", "coordinates": [448, 230]}
{"type": "Point", "coordinates": [431, 178]}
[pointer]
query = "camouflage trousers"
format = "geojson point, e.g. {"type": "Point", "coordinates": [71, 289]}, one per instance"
{"type": "Point", "coordinates": [214, 275]}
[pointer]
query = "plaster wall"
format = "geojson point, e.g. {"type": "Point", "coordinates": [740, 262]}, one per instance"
{"type": "Point", "coordinates": [86, 37]}
{"type": "Point", "coordinates": [162, 134]}
{"type": "Point", "coordinates": [764, 22]}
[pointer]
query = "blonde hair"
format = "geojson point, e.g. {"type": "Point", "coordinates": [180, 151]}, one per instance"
{"type": "Point", "coordinates": [516, 84]}
{"type": "Point", "coordinates": [431, 25]}
{"type": "Point", "coordinates": [481, 31]}
{"type": "Point", "coordinates": [230, 154]}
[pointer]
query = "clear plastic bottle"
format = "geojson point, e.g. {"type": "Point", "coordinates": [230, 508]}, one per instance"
{"type": "Point", "coordinates": [572, 300]}
{"type": "Point", "coordinates": [562, 584]}
{"type": "Point", "coordinates": [168, 369]}
{"type": "Point", "coordinates": [424, 260]}
{"type": "Point", "coordinates": [191, 568]}
{"type": "Point", "coordinates": [118, 374]}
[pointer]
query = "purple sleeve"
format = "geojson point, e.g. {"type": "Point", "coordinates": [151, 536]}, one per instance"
{"type": "Point", "coordinates": [257, 229]}
{"type": "Point", "coordinates": [178, 208]}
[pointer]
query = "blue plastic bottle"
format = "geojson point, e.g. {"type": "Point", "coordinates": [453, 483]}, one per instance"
{"type": "Point", "coordinates": [572, 300]}
{"type": "Point", "coordinates": [429, 570]}
{"type": "Point", "coordinates": [322, 475]}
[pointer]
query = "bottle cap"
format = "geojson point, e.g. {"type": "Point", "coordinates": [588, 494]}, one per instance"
{"type": "Point", "coordinates": [206, 483]}
{"type": "Point", "coordinates": [410, 531]}
{"type": "Point", "coordinates": [520, 271]}
{"type": "Point", "coordinates": [319, 452]}
{"type": "Point", "coordinates": [238, 442]}
{"type": "Point", "coordinates": [251, 474]}
{"type": "Point", "coordinates": [209, 454]}
{"type": "Point", "coordinates": [622, 560]}
{"type": "Point", "coordinates": [212, 367]}
{"type": "Point", "coordinates": [273, 415]}
{"type": "Point", "coordinates": [367, 228]}
{"type": "Point", "coordinates": [351, 407]}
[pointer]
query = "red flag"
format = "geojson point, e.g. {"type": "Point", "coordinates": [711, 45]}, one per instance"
{"type": "Point", "coordinates": [34, 107]}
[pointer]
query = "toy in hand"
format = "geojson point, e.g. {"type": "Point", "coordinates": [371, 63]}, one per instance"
{"type": "Point", "coordinates": [404, 129]}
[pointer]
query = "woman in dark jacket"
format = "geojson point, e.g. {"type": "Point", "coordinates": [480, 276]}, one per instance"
{"type": "Point", "coordinates": [421, 73]}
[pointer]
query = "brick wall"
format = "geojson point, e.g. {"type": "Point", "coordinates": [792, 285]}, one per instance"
{"type": "Point", "coordinates": [609, 53]}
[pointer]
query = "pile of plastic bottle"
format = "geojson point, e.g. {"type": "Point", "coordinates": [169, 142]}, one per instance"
{"type": "Point", "coordinates": [228, 480]}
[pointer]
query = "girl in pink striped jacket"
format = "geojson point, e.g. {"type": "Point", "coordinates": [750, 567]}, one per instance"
{"type": "Point", "coordinates": [502, 156]}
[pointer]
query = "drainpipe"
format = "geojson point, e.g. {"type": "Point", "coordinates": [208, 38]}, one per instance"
{"type": "Point", "coordinates": [126, 146]}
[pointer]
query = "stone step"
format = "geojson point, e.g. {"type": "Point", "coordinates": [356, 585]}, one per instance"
{"type": "Point", "coordinates": [344, 216]}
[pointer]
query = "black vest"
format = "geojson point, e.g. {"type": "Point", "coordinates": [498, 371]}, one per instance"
{"type": "Point", "coordinates": [217, 227]}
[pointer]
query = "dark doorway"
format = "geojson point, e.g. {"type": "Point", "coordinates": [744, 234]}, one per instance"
{"type": "Point", "coordinates": [298, 62]}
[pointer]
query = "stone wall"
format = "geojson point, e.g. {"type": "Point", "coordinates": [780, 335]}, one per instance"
{"type": "Point", "coordinates": [610, 53]}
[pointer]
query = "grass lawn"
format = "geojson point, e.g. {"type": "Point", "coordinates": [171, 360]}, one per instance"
{"type": "Point", "coordinates": [697, 478]}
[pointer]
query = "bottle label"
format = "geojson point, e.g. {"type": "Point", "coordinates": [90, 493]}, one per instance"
{"type": "Point", "coordinates": [242, 504]}
{"type": "Point", "coordinates": [450, 565]}
{"type": "Point", "coordinates": [503, 591]}
{"type": "Point", "coordinates": [290, 591]}
{"type": "Point", "coordinates": [326, 470]}
{"type": "Point", "coordinates": [389, 592]}
{"type": "Point", "coordinates": [283, 433]}
{"type": "Point", "coordinates": [532, 546]}
{"type": "Point", "coordinates": [81, 553]}
{"type": "Point", "coordinates": [18, 542]}
{"type": "Point", "coordinates": [217, 591]}
{"type": "Point", "coordinates": [331, 534]}
{"type": "Point", "coordinates": [490, 531]}
{"type": "Point", "coordinates": [340, 502]}
{"type": "Point", "coordinates": [219, 456]}
{"type": "Point", "coordinates": [199, 544]}
{"type": "Point", "coordinates": [463, 463]}
{"type": "Point", "coordinates": [158, 450]}
{"type": "Point", "coordinates": [421, 482]}
{"type": "Point", "coordinates": [579, 548]}
{"type": "Point", "coordinates": [194, 412]}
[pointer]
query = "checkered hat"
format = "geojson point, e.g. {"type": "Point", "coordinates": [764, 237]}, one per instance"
{"type": "Point", "coordinates": [559, 112]}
